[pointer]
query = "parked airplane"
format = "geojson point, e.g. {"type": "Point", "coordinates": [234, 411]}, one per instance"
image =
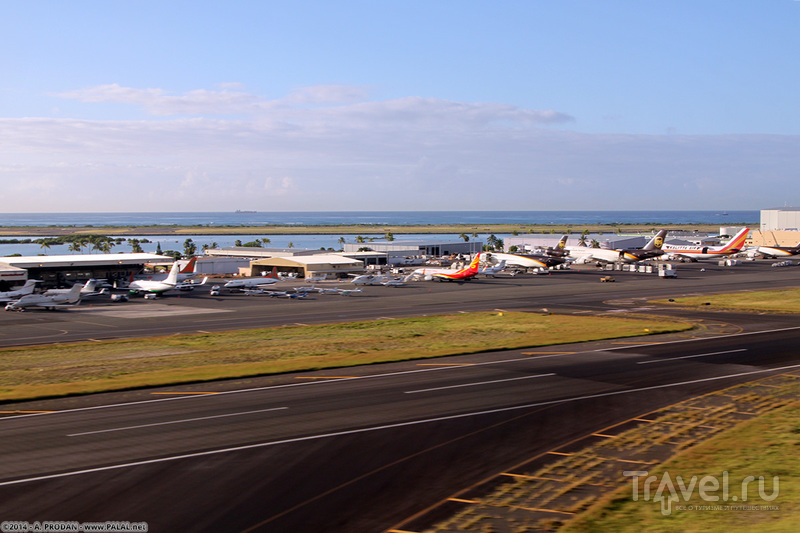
{"type": "Point", "coordinates": [491, 270]}
{"type": "Point", "coordinates": [370, 279]}
{"type": "Point", "coordinates": [774, 252]}
{"type": "Point", "coordinates": [397, 282]}
{"type": "Point", "coordinates": [693, 253]}
{"type": "Point", "coordinates": [87, 289]}
{"type": "Point", "coordinates": [528, 260]}
{"type": "Point", "coordinates": [350, 292]}
{"type": "Point", "coordinates": [16, 294]}
{"type": "Point", "coordinates": [449, 274]}
{"type": "Point", "coordinates": [654, 248]}
{"type": "Point", "coordinates": [156, 287]}
{"type": "Point", "coordinates": [183, 274]}
{"type": "Point", "coordinates": [559, 250]}
{"type": "Point", "coordinates": [253, 283]}
{"type": "Point", "coordinates": [57, 301]}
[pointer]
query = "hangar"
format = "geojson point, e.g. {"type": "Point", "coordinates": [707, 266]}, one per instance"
{"type": "Point", "coordinates": [64, 270]}
{"type": "Point", "coordinates": [306, 266]}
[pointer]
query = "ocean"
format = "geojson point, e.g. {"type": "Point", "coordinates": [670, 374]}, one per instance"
{"type": "Point", "coordinates": [317, 241]}
{"type": "Point", "coordinates": [248, 218]}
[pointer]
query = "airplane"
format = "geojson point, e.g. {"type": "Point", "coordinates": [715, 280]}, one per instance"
{"type": "Point", "coordinates": [449, 274]}
{"type": "Point", "coordinates": [57, 301]}
{"type": "Point", "coordinates": [490, 270]}
{"type": "Point", "coordinates": [252, 283]}
{"type": "Point", "coordinates": [370, 279]}
{"type": "Point", "coordinates": [654, 248]}
{"type": "Point", "coordinates": [693, 253]}
{"type": "Point", "coordinates": [350, 292]}
{"type": "Point", "coordinates": [529, 260]}
{"type": "Point", "coordinates": [397, 282]}
{"type": "Point", "coordinates": [774, 252]}
{"type": "Point", "coordinates": [156, 287]}
{"type": "Point", "coordinates": [16, 294]}
{"type": "Point", "coordinates": [559, 250]}
{"type": "Point", "coordinates": [87, 289]}
{"type": "Point", "coordinates": [312, 279]}
{"type": "Point", "coordinates": [185, 273]}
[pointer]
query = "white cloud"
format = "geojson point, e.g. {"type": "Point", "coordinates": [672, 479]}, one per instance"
{"type": "Point", "coordinates": [328, 148]}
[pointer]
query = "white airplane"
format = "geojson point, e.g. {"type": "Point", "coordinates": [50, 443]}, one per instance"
{"type": "Point", "coordinates": [370, 279]}
{"type": "Point", "coordinates": [350, 292]}
{"type": "Point", "coordinates": [156, 287]}
{"type": "Point", "coordinates": [16, 294]}
{"type": "Point", "coordinates": [528, 260]}
{"type": "Point", "coordinates": [693, 253]}
{"type": "Point", "coordinates": [57, 301]}
{"type": "Point", "coordinates": [87, 289]}
{"type": "Point", "coordinates": [401, 282]}
{"type": "Point", "coordinates": [312, 279]}
{"type": "Point", "coordinates": [654, 248]}
{"type": "Point", "coordinates": [250, 283]}
{"type": "Point", "coordinates": [183, 274]}
{"type": "Point", "coordinates": [490, 270]}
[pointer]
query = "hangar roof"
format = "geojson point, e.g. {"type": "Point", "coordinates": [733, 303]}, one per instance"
{"type": "Point", "coordinates": [78, 260]}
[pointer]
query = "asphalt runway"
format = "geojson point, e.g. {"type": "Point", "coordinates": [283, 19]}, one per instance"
{"type": "Point", "coordinates": [362, 449]}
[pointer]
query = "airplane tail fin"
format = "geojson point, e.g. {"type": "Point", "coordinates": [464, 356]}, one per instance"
{"type": "Point", "coordinates": [473, 266]}
{"type": "Point", "coordinates": [656, 242]}
{"type": "Point", "coordinates": [562, 243]}
{"type": "Point", "coordinates": [189, 268]}
{"type": "Point", "coordinates": [273, 274]}
{"type": "Point", "coordinates": [737, 242]}
{"type": "Point", "coordinates": [173, 274]}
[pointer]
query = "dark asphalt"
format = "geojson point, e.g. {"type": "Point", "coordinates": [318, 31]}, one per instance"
{"type": "Point", "coordinates": [371, 446]}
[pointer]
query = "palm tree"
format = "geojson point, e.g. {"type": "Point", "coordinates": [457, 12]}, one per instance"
{"type": "Point", "coordinates": [75, 246]}
{"type": "Point", "coordinates": [464, 236]}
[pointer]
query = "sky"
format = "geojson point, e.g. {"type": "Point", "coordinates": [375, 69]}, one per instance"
{"type": "Point", "coordinates": [399, 105]}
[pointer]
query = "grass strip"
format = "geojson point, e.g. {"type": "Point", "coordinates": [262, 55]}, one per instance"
{"type": "Point", "coordinates": [80, 368]}
{"type": "Point", "coordinates": [779, 301]}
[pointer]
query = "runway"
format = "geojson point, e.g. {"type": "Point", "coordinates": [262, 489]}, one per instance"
{"type": "Point", "coordinates": [362, 449]}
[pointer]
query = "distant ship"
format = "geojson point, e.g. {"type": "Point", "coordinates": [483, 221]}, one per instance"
{"type": "Point", "coordinates": [244, 211]}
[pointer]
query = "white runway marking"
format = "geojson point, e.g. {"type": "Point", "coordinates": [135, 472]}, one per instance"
{"type": "Point", "coordinates": [151, 311]}
{"type": "Point", "coordinates": [478, 383]}
{"type": "Point", "coordinates": [175, 422]}
{"type": "Point", "coordinates": [689, 356]}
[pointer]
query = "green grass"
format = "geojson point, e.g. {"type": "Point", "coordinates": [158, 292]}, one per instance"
{"type": "Point", "coordinates": [765, 446]}
{"type": "Point", "coordinates": [44, 371]}
{"type": "Point", "coordinates": [781, 301]}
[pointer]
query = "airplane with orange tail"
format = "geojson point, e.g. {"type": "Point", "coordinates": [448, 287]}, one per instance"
{"type": "Point", "coordinates": [449, 274]}
{"type": "Point", "coordinates": [693, 253]}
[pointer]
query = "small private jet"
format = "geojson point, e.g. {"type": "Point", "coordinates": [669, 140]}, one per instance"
{"type": "Point", "coordinates": [148, 286]}
{"type": "Point", "coordinates": [16, 294]}
{"type": "Point", "coordinates": [41, 301]}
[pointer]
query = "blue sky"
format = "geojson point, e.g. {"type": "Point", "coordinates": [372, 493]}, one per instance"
{"type": "Point", "coordinates": [412, 105]}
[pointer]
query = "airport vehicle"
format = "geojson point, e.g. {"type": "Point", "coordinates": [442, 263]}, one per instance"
{"type": "Point", "coordinates": [214, 290]}
{"type": "Point", "coordinates": [449, 274]}
{"type": "Point", "coordinates": [56, 301]}
{"type": "Point", "coordinates": [654, 248]}
{"type": "Point", "coordinates": [693, 253]}
{"type": "Point", "coordinates": [8, 296]}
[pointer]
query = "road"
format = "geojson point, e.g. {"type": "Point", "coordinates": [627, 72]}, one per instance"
{"type": "Point", "coordinates": [365, 448]}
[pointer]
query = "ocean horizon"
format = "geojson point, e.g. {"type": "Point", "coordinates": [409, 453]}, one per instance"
{"type": "Point", "coordinates": [331, 218]}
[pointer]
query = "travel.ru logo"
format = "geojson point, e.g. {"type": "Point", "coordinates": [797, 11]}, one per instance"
{"type": "Point", "coordinates": [711, 489]}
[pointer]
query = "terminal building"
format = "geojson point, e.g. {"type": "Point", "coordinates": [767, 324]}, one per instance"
{"type": "Point", "coordinates": [64, 270]}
